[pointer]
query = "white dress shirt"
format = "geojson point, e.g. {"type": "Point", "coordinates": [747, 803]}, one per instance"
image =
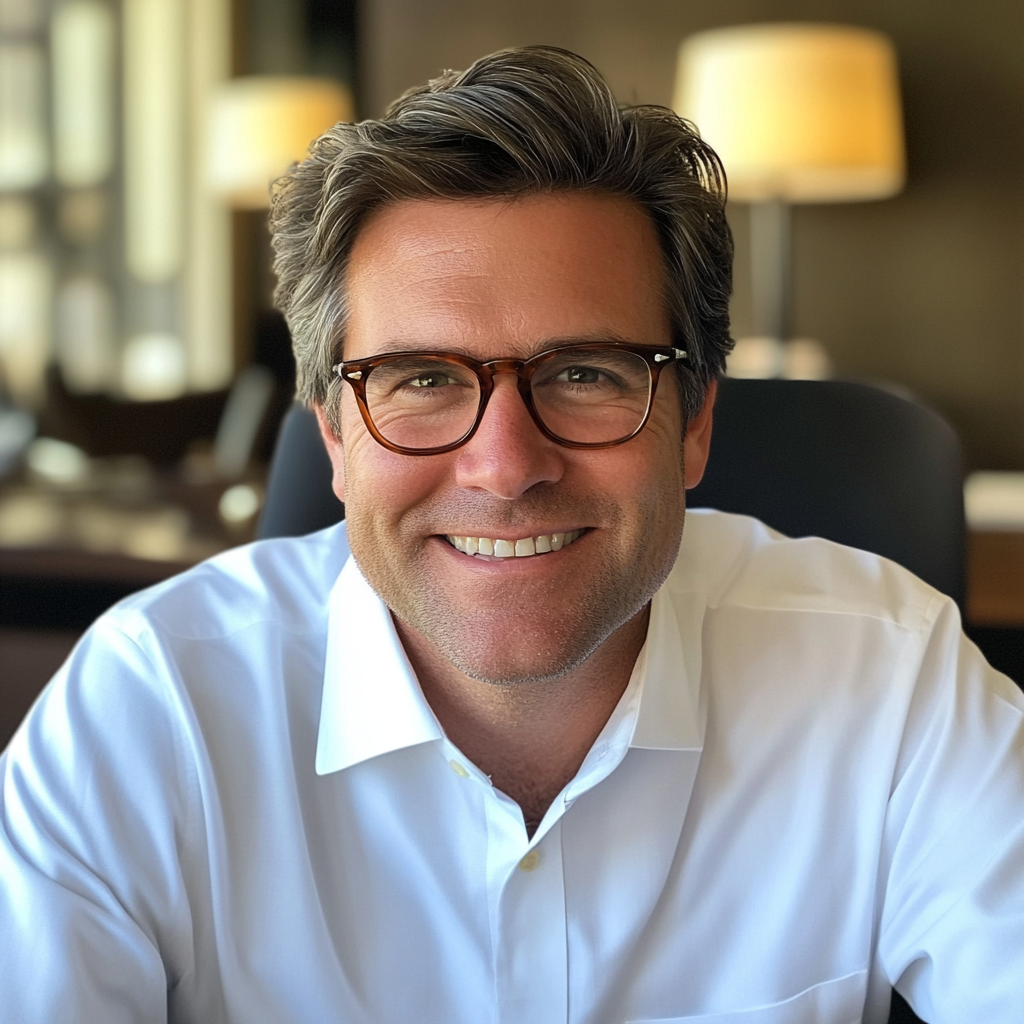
{"type": "Point", "coordinates": [233, 804]}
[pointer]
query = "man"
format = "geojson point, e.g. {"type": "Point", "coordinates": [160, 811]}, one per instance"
{"type": "Point", "coordinates": [529, 755]}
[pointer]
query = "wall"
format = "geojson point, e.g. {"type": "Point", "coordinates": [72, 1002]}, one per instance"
{"type": "Point", "coordinates": [926, 289]}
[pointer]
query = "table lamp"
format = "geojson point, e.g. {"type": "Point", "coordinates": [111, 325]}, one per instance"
{"type": "Point", "coordinates": [799, 113]}
{"type": "Point", "coordinates": [258, 126]}
{"type": "Point", "coordinates": [261, 124]}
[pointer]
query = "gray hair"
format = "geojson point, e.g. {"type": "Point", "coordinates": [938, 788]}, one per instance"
{"type": "Point", "coordinates": [516, 123]}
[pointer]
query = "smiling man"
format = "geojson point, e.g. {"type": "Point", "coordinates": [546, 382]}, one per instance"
{"type": "Point", "coordinates": [510, 745]}
{"type": "Point", "coordinates": [521, 678]}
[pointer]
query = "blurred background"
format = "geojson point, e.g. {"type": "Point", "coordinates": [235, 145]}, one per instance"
{"type": "Point", "coordinates": [143, 371]}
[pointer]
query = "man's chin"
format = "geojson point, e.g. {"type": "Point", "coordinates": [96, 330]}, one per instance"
{"type": "Point", "coordinates": [507, 645]}
{"type": "Point", "coordinates": [508, 672]}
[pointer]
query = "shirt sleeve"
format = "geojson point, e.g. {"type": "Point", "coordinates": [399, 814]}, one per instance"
{"type": "Point", "coordinates": [94, 918]}
{"type": "Point", "coordinates": [952, 924]}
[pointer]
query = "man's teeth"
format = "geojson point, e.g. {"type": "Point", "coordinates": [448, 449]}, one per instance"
{"type": "Point", "coordinates": [514, 548]}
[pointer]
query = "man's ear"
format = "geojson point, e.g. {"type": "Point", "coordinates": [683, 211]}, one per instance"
{"type": "Point", "coordinates": [697, 442]}
{"type": "Point", "coordinates": [335, 451]}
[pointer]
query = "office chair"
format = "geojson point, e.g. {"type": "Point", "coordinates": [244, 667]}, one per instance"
{"type": "Point", "coordinates": [850, 462]}
{"type": "Point", "coordinates": [299, 496]}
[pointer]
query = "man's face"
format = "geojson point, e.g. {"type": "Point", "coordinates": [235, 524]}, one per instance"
{"type": "Point", "coordinates": [495, 279]}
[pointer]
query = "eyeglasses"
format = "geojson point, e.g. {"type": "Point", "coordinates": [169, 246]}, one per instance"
{"type": "Point", "coordinates": [591, 395]}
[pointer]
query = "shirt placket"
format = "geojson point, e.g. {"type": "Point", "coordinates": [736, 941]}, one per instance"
{"type": "Point", "coordinates": [528, 916]}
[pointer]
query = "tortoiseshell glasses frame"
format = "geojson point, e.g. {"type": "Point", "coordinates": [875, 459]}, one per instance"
{"type": "Point", "coordinates": [357, 372]}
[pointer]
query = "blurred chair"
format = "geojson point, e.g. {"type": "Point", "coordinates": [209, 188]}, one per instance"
{"type": "Point", "coordinates": [850, 462]}
{"type": "Point", "coordinates": [299, 496]}
{"type": "Point", "coordinates": [239, 427]}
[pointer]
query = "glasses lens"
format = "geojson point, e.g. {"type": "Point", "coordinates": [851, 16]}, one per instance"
{"type": "Point", "coordinates": [592, 397]}
{"type": "Point", "coordinates": [422, 402]}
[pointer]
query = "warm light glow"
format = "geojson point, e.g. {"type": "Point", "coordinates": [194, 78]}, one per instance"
{"type": "Point", "coordinates": [800, 112]}
{"type": "Point", "coordinates": [82, 47]}
{"type": "Point", "coordinates": [26, 283]}
{"type": "Point", "coordinates": [154, 127]}
{"type": "Point", "coordinates": [24, 158]}
{"type": "Point", "coordinates": [995, 501]}
{"type": "Point", "coordinates": [206, 279]}
{"type": "Point", "coordinates": [153, 366]}
{"type": "Point", "coordinates": [260, 125]}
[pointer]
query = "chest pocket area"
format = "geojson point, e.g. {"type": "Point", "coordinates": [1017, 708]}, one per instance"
{"type": "Point", "coordinates": [839, 1001]}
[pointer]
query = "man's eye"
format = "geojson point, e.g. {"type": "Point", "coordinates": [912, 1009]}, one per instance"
{"type": "Point", "coordinates": [579, 375]}
{"type": "Point", "coordinates": [431, 380]}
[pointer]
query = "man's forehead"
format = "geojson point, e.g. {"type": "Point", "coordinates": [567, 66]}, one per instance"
{"type": "Point", "coordinates": [409, 226]}
{"type": "Point", "coordinates": [547, 268]}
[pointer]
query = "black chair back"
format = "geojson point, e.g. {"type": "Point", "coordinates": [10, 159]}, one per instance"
{"type": "Point", "coordinates": [299, 496]}
{"type": "Point", "coordinates": [850, 462]}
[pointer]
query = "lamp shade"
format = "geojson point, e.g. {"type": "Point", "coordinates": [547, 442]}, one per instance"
{"type": "Point", "coordinates": [260, 125]}
{"type": "Point", "coordinates": [798, 112]}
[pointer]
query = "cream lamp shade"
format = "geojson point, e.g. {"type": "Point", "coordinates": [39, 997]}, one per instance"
{"type": "Point", "coordinates": [801, 113]}
{"type": "Point", "coordinates": [260, 125]}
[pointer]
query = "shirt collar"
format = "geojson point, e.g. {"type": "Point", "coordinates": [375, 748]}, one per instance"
{"type": "Point", "coordinates": [671, 714]}
{"type": "Point", "coordinates": [372, 703]}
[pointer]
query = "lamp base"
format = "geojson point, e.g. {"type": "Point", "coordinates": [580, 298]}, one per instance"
{"type": "Point", "coordinates": [764, 356]}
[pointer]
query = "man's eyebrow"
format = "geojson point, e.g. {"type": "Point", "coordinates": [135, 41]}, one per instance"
{"type": "Point", "coordinates": [559, 341]}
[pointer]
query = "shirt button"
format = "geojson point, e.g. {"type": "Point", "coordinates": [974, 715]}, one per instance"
{"type": "Point", "coordinates": [458, 769]}
{"type": "Point", "coordinates": [530, 861]}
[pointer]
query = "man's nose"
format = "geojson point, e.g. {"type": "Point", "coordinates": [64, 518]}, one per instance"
{"type": "Point", "coordinates": [508, 454]}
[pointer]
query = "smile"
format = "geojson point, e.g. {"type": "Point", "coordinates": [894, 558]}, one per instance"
{"type": "Point", "coordinates": [521, 548]}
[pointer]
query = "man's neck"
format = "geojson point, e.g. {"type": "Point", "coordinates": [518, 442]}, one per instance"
{"type": "Point", "coordinates": [530, 738]}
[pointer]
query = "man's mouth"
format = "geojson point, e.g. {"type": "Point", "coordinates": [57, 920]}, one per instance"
{"type": "Point", "coordinates": [498, 548]}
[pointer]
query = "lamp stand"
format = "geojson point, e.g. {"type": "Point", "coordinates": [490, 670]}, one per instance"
{"type": "Point", "coordinates": [770, 269]}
